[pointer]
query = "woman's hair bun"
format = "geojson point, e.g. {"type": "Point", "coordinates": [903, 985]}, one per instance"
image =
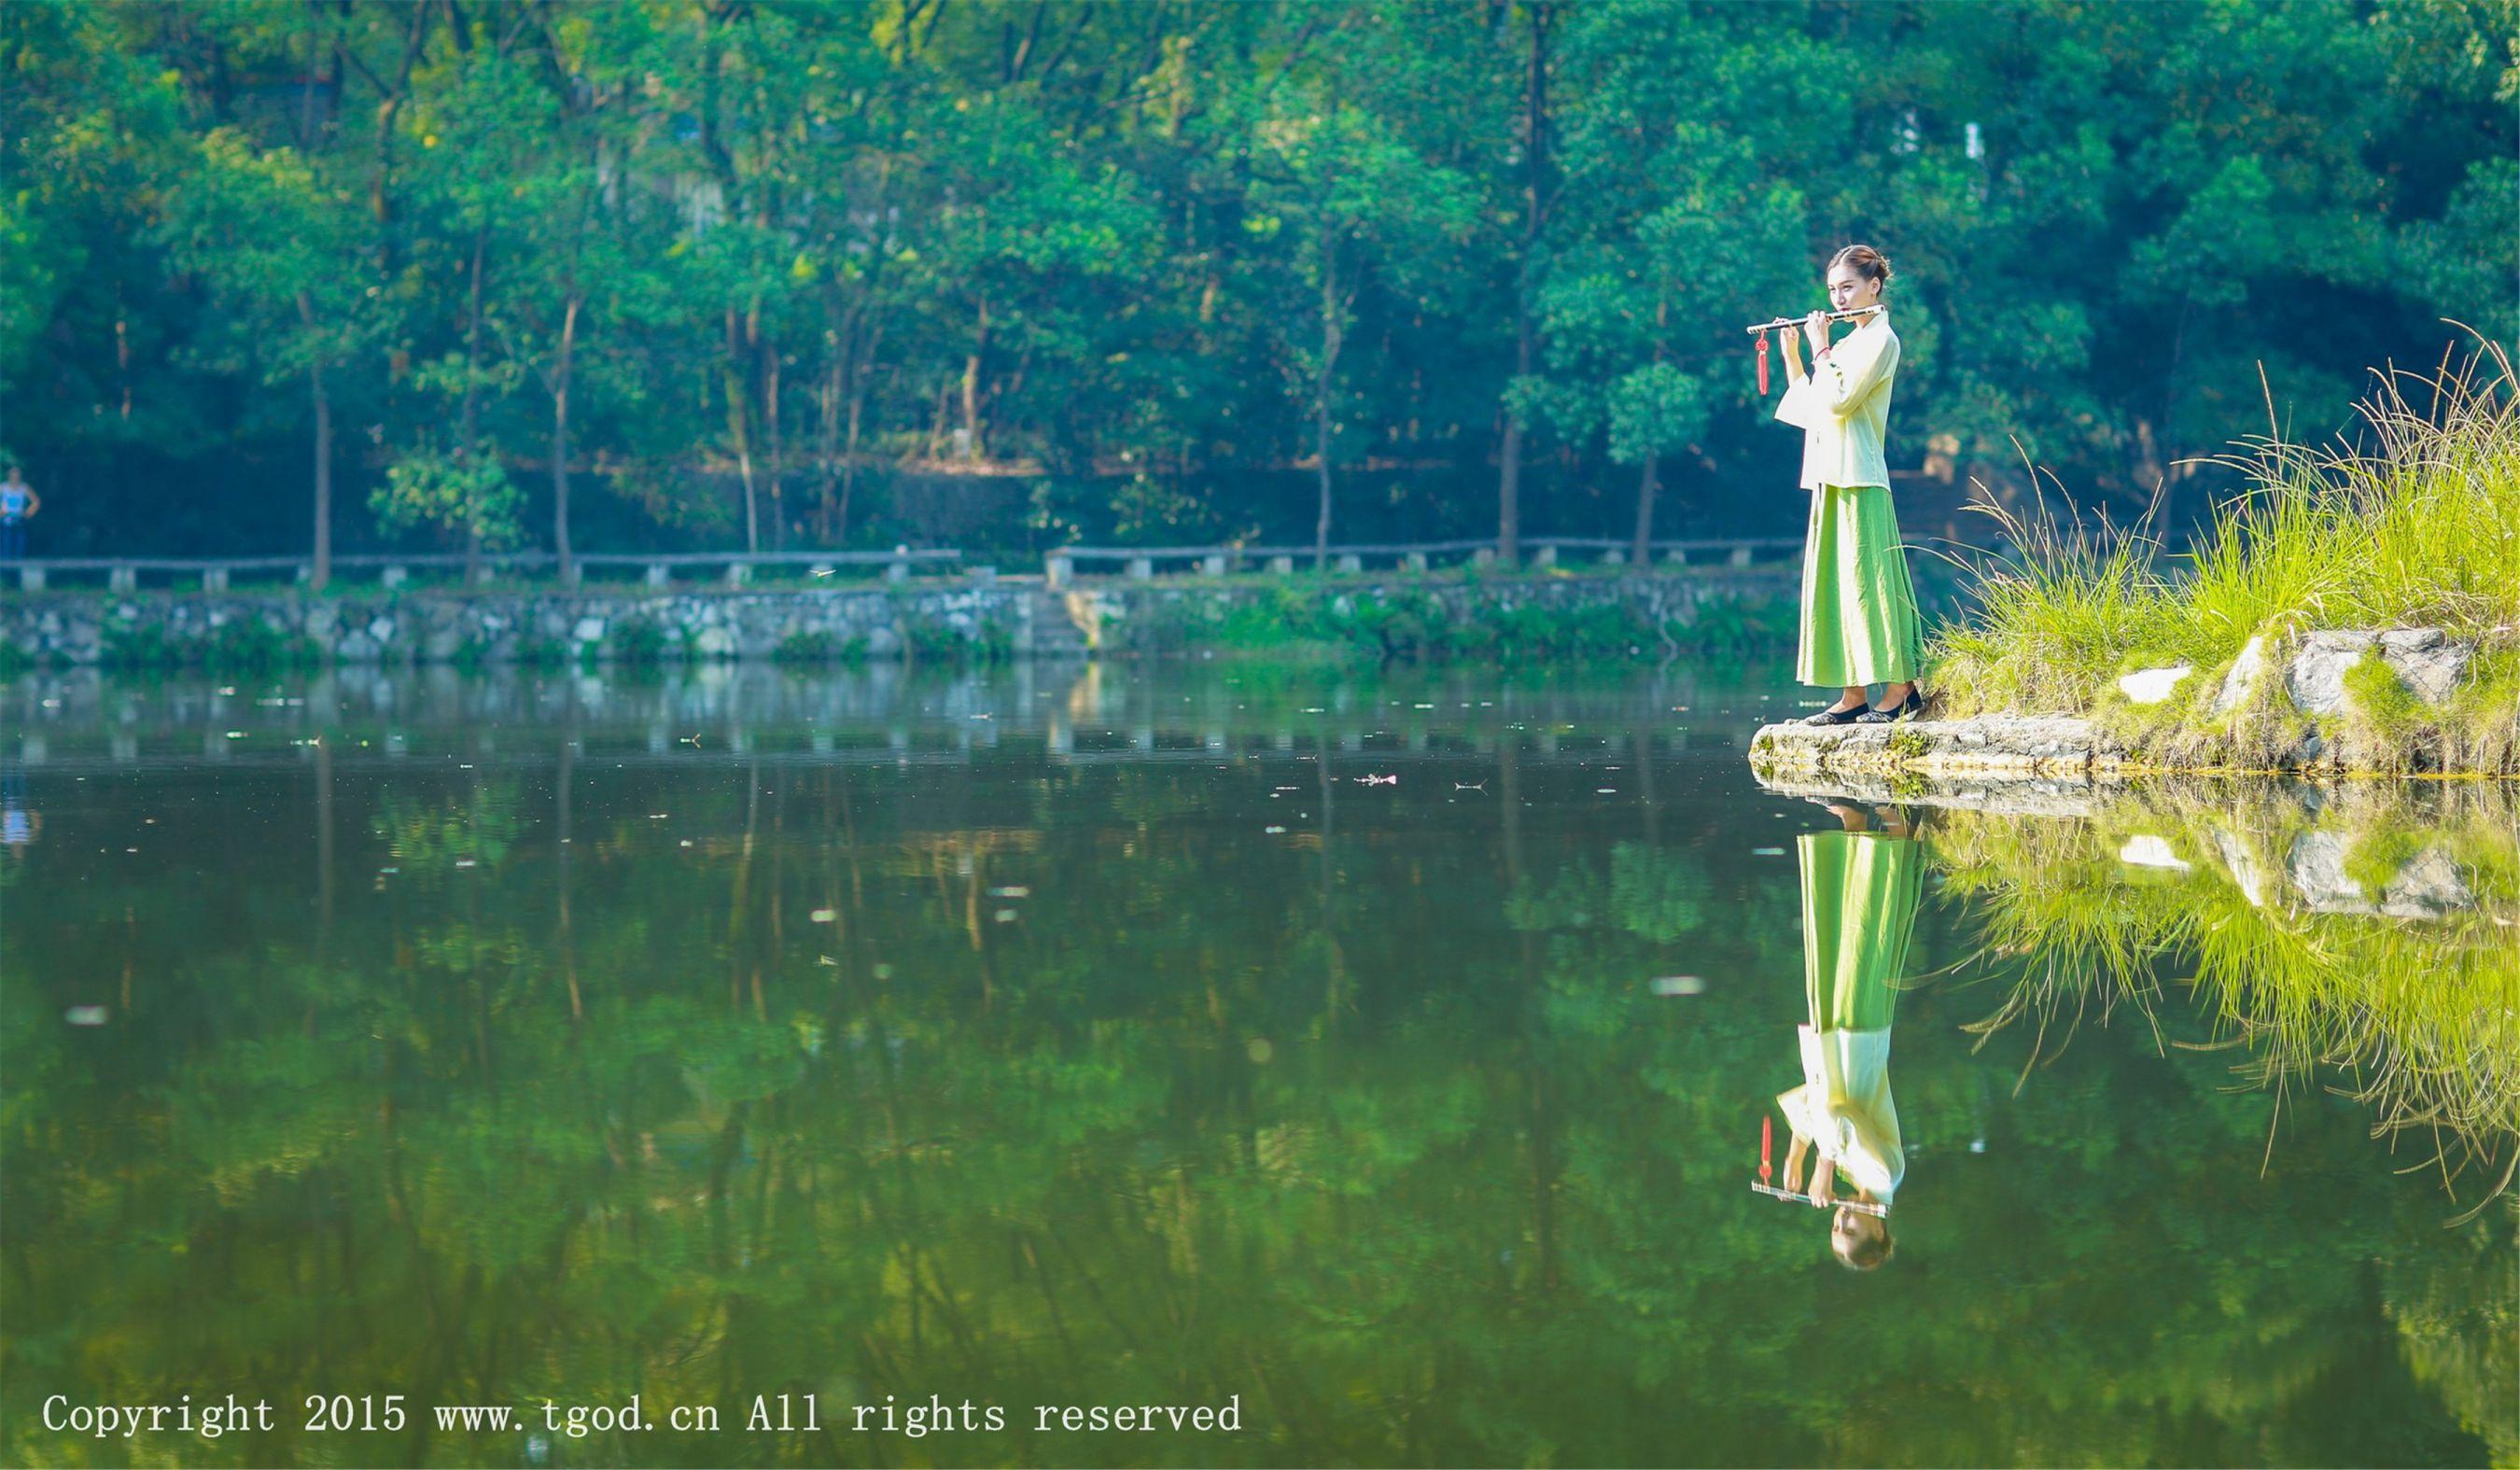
{"type": "Point", "coordinates": [1865, 261]}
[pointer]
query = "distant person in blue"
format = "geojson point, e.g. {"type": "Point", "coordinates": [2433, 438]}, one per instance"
{"type": "Point", "coordinates": [18, 506]}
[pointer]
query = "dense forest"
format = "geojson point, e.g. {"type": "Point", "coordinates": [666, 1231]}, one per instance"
{"type": "Point", "coordinates": [738, 274]}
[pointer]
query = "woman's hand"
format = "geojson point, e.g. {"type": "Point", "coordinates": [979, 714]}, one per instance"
{"type": "Point", "coordinates": [1824, 1186]}
{"type": "Point", "coordinates": [1816, 328]}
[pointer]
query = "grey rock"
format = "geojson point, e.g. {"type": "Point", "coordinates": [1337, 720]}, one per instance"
{"type": "Point", "coordinates": [2425, 660]}
{"type": "Point", "coordinates": [2316, 866]}
{"type": "Point", "coordinates": [2244, 673]}
{"type": "Point", "coordinates": [2427, 887]}
{"type": "Point", "coordinates": [2152, 685]}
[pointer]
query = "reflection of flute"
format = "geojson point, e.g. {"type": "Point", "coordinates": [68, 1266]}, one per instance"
{"type": "Point", "coordinates": [1834, 316]}
{"type": "Point", "coordinates": [1767, 1160]}
{"type": "Point", "coordinates": [1859, 1206]}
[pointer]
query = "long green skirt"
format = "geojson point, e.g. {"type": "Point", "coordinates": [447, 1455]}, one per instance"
{"type": "Point", "coordinates": [1860, 623]}
{"type": "Point", "coordinates": [1859, 894]}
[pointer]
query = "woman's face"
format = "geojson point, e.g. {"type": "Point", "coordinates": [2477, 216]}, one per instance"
{"type": "Point", "coordinates": [1848, 290]}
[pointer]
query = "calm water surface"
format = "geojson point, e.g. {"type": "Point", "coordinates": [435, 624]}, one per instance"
{"type": "Point", "coordinates": [1380, 1057]}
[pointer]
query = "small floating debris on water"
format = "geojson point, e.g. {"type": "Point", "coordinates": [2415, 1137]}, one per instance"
{"type": "Point", "coordinates": [1011, 890]}
{"type": "Point", "coordinates": [658, 816]}
{"type": "Point", "coordinates": [825, 916]}
{"type": "Point", "coordinates": [1421, 706]}
{"type": "Point", "coordinates": [1315, 709]}
{"type": "Point", "coordinates": [827, 960]}
{"type": "Point", "coordinates": [388, 869]}
{"type": "Point", "coordinates": [1606, 790]}
{"type": "Point", "coordinates": [227, 689]}
{"type": "Point", "coordinates": [1006, 915]}
{"type": "Point", "coordinates": [1463, 786]}
{"type": "Point", "coordinates": [1273, 831]}
{"type": "Point", "coordinates": [1766, 852]}
{"type": "Point", "coordinates": [464, 863]}
{"type": "Point", "coordinates": [85, 1015]}
{"type": "Point", "coordinates": [687, 842]}
{"type": "Point", "coordinates": [1678, 985]}
{"type": "Point", "coordinates": [1376, 780]}
{"type": "Point", "coordinates": [236, 734]}
{"type": "Point", "coordinates": [884, 972]}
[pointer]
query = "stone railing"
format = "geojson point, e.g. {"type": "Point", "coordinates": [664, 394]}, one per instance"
{"type": "Point", "coordinates": [1062, 565]}
{"type": "Point", "coordinates": [661, 570]}
{"type": "Point", "coordinates": [657, 569]}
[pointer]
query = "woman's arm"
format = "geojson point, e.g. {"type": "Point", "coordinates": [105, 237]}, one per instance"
{"type": "Point", "coordinates": [1847, 373]}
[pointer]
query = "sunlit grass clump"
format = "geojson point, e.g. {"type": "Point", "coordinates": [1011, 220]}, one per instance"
{"type": "Point", "coordinates": [2416, 524]}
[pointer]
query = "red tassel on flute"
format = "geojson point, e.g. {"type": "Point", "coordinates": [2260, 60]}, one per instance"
{"type": "Point", "coordinates": [1766, 1126]}
{"type": "Point", "coordinates": [1763, 365]}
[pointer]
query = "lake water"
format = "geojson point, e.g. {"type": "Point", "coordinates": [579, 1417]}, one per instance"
{"type": "Point", "coordinates": [1381, 1059]}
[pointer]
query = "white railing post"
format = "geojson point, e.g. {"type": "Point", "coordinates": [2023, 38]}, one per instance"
{"type": "Point", "coordinates": [1740, 556]}
{"type": "Point", "coordinates": [898, 569]}
{"type": "Point", "coordinates": [214, 579]}
{"type": "Point", "coordinates": [123, 579]}
{"type": "Point", "coordinates": [659, 574]}
{"type": "Point", "coordinates": [1058, 572]}
{"type": "Point", "coordinates": [1140, 568]}
{"type": "Point", "coordinates": [394, 576]}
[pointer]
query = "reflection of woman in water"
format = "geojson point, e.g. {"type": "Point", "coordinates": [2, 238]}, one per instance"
{"type": "Point", "coordinates": [1860, 892]}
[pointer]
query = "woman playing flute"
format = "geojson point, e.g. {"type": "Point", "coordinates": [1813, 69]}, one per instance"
{"type": "Point", "coordinates": [1859, 610]}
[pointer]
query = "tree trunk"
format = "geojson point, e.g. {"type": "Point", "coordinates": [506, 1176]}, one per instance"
{"type": "Point", "coordinates": [469, 450]}
{"type": "Point", "coordinates": [322, 573]}
{"type": "Point", "coordinates": [1526, 331]}
{"type": "Point", "coordinates": [560, 438]}
{"type": "Point", "coordinates": [973, 366]}
{"type": "Point", "coordinates": [768, 352]}
{"type": "Point", "coordinates": [738, 423]}
{"type": "Point", "coordinates": [1333, 336]}
{"type": "Point", "coordinates": [827, 401]}
{"type": "Point", "coordinates": [1641, 553]}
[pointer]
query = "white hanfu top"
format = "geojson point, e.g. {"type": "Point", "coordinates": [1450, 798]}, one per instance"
{"type": "Point", "coordinates": [1844, 1106]}
{"type": "Point", "coordinates": [1842, 406]}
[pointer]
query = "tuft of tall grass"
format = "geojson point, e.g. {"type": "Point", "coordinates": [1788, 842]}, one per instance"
{"type": "Point", "coordinates": [2416, 523]}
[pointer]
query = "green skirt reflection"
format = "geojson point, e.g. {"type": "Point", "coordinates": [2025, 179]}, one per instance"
{"type": "Point", "coordinates": [1860, 892]}
{"type": "Point", "coordinates": [1859, 895]}
{"type": "Point", "coordinates": [1859, 614]}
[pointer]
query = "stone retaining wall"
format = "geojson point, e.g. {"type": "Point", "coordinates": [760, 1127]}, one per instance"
{"type": "Point", "coordinates": [1020, 617]}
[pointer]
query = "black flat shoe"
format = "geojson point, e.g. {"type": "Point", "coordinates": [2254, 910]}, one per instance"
{"type": "Point", "coordinates": [1835, 716]}
{"type": "Point", "coordinates": [1915, 703]}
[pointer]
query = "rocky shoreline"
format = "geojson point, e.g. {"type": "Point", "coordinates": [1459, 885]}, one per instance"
{"type": "Point", "coordinates": [2324, 703]}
